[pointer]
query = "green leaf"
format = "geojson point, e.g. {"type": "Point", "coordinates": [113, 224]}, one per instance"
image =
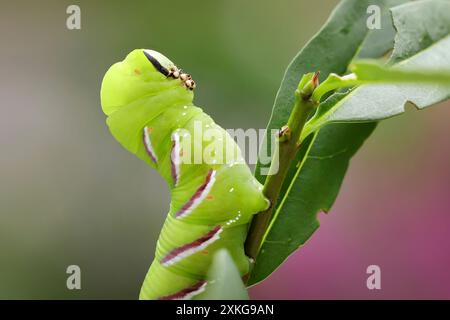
{"type": "Point", "coordinates": [314, 189]}
{"type": "Point", "coordinates": [373, 72]}
{"type": "Point", "coordinates": [330, 51]}
{"type": "Point", "coordinates": [379, 42]}
{"type": "Point", "coordinates": [379, 101]}
{"type": "Point", "coordinates": [419, 24]}
{"type": "Point", "coordinates": [224, 280]}
{"type": "Point", "coordinates": [313, 182]}
{"type": "Point", "coordinates": [370, 71]}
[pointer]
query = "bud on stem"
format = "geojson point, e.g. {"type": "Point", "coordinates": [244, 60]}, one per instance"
{"type": "Point", "coordinates": [308, 89]}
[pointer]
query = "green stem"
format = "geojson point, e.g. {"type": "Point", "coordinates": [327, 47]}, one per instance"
{"type": "Point", "coordinates": [288, 146]}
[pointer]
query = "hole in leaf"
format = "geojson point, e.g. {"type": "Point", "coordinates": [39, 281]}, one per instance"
{"type": "Point", "coordinates": [410, 107]}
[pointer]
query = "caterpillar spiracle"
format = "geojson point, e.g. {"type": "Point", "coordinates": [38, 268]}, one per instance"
{"type": "Point", "coordinates": [149, 104]}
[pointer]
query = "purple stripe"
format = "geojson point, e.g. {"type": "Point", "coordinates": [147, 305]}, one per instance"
{"type": "Point", "coordinates": [196, 195]}
{"type": "Point", "coordinates": [185, 292]}
{"type": "Point", "coordinates": [174, 165]}
{"type": "Point", "coordinates": [194, 244]}
{"type": "Point", "coordinates": [148, 147]}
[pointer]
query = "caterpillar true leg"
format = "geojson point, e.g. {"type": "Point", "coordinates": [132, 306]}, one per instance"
{"type": "Point", "coordinates": [149, 104]}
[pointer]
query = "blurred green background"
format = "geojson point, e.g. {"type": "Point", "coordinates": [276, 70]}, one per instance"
{"type": "Point", "coordinates": [71, 195]}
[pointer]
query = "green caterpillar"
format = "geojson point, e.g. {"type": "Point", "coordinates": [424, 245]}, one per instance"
{"type": "Point", "coordinates": [149, 104]}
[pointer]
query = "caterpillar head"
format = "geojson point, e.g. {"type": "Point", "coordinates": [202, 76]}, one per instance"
{"type": "Point", "coordinates": [143, 73]}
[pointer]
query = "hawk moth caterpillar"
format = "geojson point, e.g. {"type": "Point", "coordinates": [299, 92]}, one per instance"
{"type": "Point", "coordinates": [149, 104]}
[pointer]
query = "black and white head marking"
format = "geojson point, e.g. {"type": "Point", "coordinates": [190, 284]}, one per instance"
{"type": "Point", "coordinates": [156, 64]}
{"type": "Point", "coordinates": [172, 72]}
